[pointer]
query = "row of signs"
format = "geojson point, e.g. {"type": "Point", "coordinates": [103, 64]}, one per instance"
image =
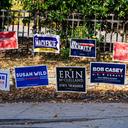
{"type": "Point", "coordinates": [72, 79]}
{"type": "Point", "coordinates": [78, 47]}
{"type": "Point", "coordinates": [51, 43]}
{"type": "Point", "coordinates": [68, 79]}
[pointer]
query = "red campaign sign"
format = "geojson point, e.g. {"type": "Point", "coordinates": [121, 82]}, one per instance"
{"type": "Point", "coordinates": [120, 51]}
{"type": "Point", "coordinates": [8, 40]}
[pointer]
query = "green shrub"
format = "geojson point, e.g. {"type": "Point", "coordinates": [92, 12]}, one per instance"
{"type": "Point", "coordinates": [80, 32]}
{"type": "Point", "coordinates": [64, 53]}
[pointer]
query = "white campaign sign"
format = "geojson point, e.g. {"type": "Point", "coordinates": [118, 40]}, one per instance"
{"type": "Point", "coordinates": [4, 80]}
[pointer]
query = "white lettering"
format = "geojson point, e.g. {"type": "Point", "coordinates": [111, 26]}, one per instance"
{"type": "Point", "coordinates": [67, 74]}
{"type": "Point", "coordinates": [61, 74]}
{"type": "Point", "coordinates": [75, 45]}
{"type": "Point", "coordinates": [46, 43]}
{"type": "Point", "coordinates": [24, 74]}
{"type": "Point", "coordinates": [71, 74]}
{"type": "Point", "coordinates": [39, 73]}
{"type": "Point", "coordinates": [119, 70]}
{"type": "Point", "coordinates": [98, 69]}
{"type": "Point", "coordinates": [79, 75]}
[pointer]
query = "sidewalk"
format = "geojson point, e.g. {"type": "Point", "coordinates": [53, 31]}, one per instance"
{"type": "Point", "coordinates": [64, 115]}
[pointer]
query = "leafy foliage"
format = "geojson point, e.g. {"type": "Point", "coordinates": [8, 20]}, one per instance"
{"type": "Point", "coordinates": [59, 9]}
{"type": "Point", "coordinates": [64, 53]}
{"type": "Point", "coordinates": [5, 4]}
{"type": "Point", "coordinates": [80, 32]}
{"type": "Point", "coordinates": [16, 5]}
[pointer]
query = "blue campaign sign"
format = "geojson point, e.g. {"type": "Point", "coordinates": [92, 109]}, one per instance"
{"type": "Point", "coordinates": [46, 43]}
{"type": "Point", "coordinates": [83, 48]}
{"type": "Point", "coordinates": [112, 73]}
{"type": "Point", "coordinates": [4, 80]}
{"type": "Point", "coordinates": [31, 76]}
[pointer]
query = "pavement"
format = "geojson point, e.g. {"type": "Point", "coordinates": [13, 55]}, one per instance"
{"type": "Point", "coordinates": [64, 115]}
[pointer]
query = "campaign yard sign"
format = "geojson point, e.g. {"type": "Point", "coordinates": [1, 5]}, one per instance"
{"type": "Point", "coordinates": [120, 51]}
{"type": "Point", "coordinates": [71, 79]}
{"type": "Point", "coordinates": [46, 43]}
{"type": "Point", "coordinates": [83, 48]}
{"type": "Point", "coordinates": [4, 80]}
{"type": "Point", "coordinates": [31, 76]}
{"type": "Point", "coordinates": [112, 73]}
{"type": "Point", "coordinates": [8, 40]}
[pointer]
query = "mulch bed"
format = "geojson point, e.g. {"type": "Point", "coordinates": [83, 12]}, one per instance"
{"type": "Point", "coordinates": [49, 94]}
